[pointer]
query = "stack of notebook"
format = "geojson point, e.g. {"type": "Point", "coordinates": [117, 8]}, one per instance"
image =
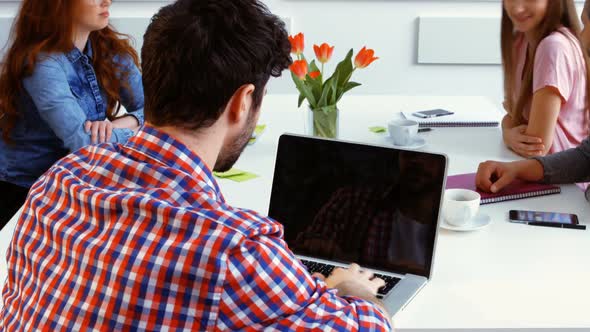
{"type": "Point", "coordinates": [458, 119]}
{"type": "Point", "coordinates": [515, 190]}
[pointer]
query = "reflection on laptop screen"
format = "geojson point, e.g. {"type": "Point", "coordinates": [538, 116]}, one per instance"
{"type": "Point", "coordinates": [349, 202]}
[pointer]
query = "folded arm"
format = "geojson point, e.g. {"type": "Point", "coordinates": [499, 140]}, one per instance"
{"type": "Point", "coordinates": [50, 91]}
{"type": "Point", "coordinates": [545, 109]}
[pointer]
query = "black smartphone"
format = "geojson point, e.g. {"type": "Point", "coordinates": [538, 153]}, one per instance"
{"type": "Point", "coordinates": [550, 219]}
{"type": "Point", "coordinates": [432, 113]}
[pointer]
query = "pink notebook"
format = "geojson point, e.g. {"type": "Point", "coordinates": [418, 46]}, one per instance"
{"type": "Point", "coordinates": [516, 190]}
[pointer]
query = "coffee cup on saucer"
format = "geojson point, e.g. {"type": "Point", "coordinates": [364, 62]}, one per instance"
{"type": "Point", "coordinates": [403, 132]}
{"type": "Point", "coordinates": [460, 206]}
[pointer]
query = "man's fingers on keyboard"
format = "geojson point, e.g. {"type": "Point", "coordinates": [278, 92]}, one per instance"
{"type": "Point", "coordinates": [354, 267]}
{"type": "Point", "coordinates": [367, 274]}
{"type": "Point", "coordinates": [378, 282]}
{"type": "Point", "coordinates": [319, 276]}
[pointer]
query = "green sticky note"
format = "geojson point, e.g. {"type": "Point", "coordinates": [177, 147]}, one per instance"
{"type": "Point", "coordinates": [257, 132]}
{"type": "Point", "coordinates": [230, 173]}
{"type": "Point", "coordinates": [378, 129]}
{"type": "Point", "coordinates": [243, 177]}
{"type": "Point", "coordinates": [236, 175]}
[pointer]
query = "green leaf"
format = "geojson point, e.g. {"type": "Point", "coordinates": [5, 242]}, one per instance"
{"type": "Point", "coordinates": [344, 70]}
{"type": "Point", "coordinates": [315, 85]}
{"type": "Point", "coordinates": [326, 89]}
{"type": "Point", "coordinates": [347, 87]}
{"type": "Point", "coordinates": [301, 99]}
{"type": "Point", "coordinates": [350, 85]}
{"type": "Point", "coordinates": [305, 90]}
{"type": "Point", "coordinates": [333, 98]}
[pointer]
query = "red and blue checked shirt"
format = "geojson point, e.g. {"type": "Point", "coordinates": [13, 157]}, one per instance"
{"type": "Point", "coordinates": [139, 237]}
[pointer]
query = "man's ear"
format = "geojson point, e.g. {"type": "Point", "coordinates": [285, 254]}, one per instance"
{"type": "Point", "coordinates": [240, 104]}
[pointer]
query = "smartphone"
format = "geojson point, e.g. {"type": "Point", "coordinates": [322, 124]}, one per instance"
{"type": "Point", "coordinates": [432, 113]}
{"type": "Point", "coordinates": [551, 219]}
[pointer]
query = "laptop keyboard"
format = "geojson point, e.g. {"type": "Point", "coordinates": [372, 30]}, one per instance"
{"type": "Point", "coordinates": [326, 270]}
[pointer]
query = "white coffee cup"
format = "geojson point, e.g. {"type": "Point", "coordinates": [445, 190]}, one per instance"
{"type": "Point", "coordinates": [403, 132]}
{"type": "Point", "coordinates": [460, 206]}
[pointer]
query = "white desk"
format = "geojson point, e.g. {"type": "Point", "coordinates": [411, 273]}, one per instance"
{"type": "Point", "coordinates": [506, 276]}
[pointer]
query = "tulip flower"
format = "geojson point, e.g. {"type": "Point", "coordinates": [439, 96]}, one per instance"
{"type": "Point", "coordinates": [297, 43]}
{"type": "Point", "coordinates": [314, 74]}
{"type": "Point", "coordinates": [364, 58]}
{"type": "Point", "coordinates": [323, 52]}
{"type": "Point", "coordinates": [299, 68]}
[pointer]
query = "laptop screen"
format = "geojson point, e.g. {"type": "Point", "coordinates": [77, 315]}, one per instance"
{"type": "Point", "coordinates": [347, 202]}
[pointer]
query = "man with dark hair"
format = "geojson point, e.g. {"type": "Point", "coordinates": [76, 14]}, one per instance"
{"type": "Point", "coordinates": [138, 236]}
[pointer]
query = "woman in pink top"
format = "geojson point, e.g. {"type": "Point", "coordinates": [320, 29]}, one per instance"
{"type": "Point", "coordinates": [545, 77]}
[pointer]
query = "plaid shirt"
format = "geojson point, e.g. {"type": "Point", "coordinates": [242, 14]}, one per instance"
{"type": "Point", "coordinates": [139, 237]}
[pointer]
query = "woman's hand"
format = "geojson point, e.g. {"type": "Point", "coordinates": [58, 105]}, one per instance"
{"type": "Point", "coordinates": [100, 131]}
{"type": "Point", "coordinates": [127, 121]}
{"type": "Point", "coordinates": [524, 145]}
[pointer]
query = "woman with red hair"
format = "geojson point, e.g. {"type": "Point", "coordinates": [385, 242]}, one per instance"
{"type": "Point", "coordinates": [63, 80]}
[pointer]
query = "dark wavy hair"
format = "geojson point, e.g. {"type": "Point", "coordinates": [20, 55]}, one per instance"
{"type": "Point", "coordinates": [48, 27]}
{"type": "Point", "coordinates": [196, 54]}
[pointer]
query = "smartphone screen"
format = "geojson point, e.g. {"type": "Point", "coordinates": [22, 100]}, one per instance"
{"type": "Point", "coordinates": [432, 113]}
{"type": "Point", "coordinates": [537, 216]}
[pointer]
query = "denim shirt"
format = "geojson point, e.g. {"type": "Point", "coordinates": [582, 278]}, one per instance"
{"type": "Point", "coordinates": [58, 98]}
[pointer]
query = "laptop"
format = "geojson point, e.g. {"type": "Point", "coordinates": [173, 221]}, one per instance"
{"type": "Point", "coordinates": [342, 202]}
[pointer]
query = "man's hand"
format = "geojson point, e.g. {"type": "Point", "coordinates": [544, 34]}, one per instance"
{"type": "Point", "coordinates": [354, 279]}
{"type": "Point", "coordinates": [493, 176]}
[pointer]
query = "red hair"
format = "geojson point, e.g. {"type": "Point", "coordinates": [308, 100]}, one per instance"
{"type": "Point", "coordinates": [47, 27]}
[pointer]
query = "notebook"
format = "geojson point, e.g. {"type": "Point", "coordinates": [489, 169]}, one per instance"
{"type": "Point", "coordinates": [516, 190]}
{"type": "Point", "coordinates": [459, 119]}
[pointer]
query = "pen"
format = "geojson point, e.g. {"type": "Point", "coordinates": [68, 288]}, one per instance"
{"type": "Point", "coordinates": [557, 225]}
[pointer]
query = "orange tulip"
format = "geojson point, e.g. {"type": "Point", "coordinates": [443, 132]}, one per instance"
{"type": "Point", "coordinates": [297, 43]}
{"type": "Point", "coordinates": [299, 68]}
{"type": "Point", "coordinates": [314, 74]}
{"type": "Point", "coordinates": [323, 52]}
{"type": "Point", "coordinates": [364, 58]}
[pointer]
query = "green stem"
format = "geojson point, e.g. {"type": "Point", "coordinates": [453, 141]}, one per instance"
{"type": "Point", "coordinates": [325, 124]}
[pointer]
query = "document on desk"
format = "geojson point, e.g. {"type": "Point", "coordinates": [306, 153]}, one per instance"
{"type": "Point", "coordinates": [515, 190]}
{"type": "Point", "coordinates": [458, 119]}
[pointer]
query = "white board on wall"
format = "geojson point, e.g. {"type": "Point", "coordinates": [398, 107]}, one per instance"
{"type": "Point", "coordinates": [133, 26]}
{"type": "Point", "coordinates": [5, 27]}
{"type": "Point", "coordinates": [459, 40]}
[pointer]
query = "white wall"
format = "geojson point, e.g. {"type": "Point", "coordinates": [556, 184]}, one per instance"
{"type": "Point", "coordinates": [388, 26]}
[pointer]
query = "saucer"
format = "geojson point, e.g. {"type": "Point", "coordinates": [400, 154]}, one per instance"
{"type": "Point", "coordinates": [478, 222]}
{"type": "Point", "coordinates": [418, 143]}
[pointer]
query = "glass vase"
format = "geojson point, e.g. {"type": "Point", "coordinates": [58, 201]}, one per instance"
{"type": "Point", "coordinates": [322, 122]}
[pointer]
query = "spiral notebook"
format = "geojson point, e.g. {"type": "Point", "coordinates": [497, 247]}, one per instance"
{"type": "Point", "coordinates": [515, 190]}
{"type": "Point", "coordinates": [461, 119]}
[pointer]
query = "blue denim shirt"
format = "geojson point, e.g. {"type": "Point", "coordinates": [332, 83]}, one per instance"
{"type": "Point", "coordinates": [58, 98]}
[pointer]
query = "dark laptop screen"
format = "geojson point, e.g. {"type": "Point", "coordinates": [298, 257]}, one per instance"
{"type": "Point", "coordinates": [349, 202]}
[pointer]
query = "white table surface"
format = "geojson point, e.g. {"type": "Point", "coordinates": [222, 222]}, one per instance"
{"type": "Point", "coordinates": [504, 277]}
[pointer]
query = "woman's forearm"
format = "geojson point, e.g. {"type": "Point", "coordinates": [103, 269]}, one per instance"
{"type": "Point", "coordinates": [126, 121]}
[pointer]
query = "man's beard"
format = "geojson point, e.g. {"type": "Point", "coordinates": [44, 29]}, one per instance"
{"type": "Point", "coordinates": [229, 154]}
